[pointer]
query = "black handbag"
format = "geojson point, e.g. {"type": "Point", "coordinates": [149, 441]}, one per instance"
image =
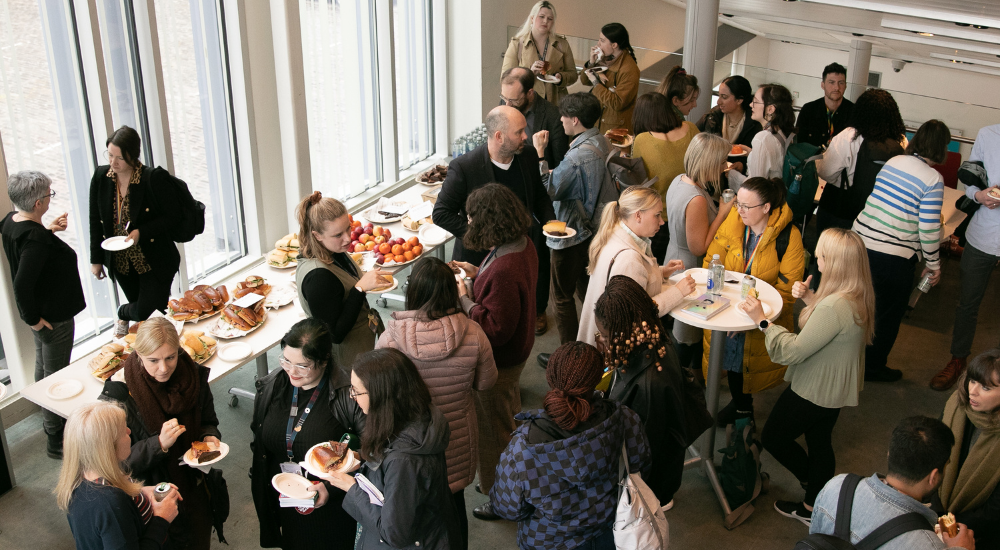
{"type": "Point", "coordinates": [218, 494]}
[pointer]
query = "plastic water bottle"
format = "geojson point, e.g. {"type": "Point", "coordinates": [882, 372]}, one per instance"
{"type": "Point", "coordinates": [716, 276]}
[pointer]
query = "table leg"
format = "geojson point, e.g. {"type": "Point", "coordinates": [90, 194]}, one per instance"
{"type": "Point", "coordinates": [712, 383]}
{"type": "Point", "coordinates": [262, 365]}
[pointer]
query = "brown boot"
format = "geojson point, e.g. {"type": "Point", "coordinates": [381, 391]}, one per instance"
{"type": "Point", "coordinates": [945, 379]}
{"type": "Point", "coordinates": [541, 325]}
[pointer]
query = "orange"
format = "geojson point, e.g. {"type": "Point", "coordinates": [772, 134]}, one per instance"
{"type": "Point", "coordinates": [355, 223]}
{"type": "Point", "coordinates": [397, 250]}
{"type": "Point", "coordinates": [408, 255]}
{"type": "Point", "coordinates": [417, 250]}
{"type": "Point", "coordinates": [407, 247]}
{"type": "Point", "coordinates": [370, 245]}
{"type": "Point", "coordinates": [399, 258]}
{"type": "Point", "coordinates": [413, 241]}
{"type": "Point", "coordinates": [384, 248]}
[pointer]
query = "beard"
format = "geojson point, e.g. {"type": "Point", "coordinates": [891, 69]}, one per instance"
{"type": "Point", "coordinates": [508, 149]}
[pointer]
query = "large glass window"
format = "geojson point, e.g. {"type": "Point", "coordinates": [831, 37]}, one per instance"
{"type": "Point", "coordinates": [341, 100]}
{"type": "Point", "coordinates": [121, 64]}
{"type": "Point", "coordinates": [414, 83]}
{"type": "Point", "coordinates": [195, 78]}
{"type": "Point", "coordinates": [45, 127]}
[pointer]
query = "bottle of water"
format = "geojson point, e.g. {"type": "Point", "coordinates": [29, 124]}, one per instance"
{"type": "Point", "coordinates": [716, 276]}
{"type": "Point", "coordinates": [456, 148]}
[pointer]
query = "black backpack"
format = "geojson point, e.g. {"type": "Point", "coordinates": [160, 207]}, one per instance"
{"type": "Point", "coordinates": [621, 173]}
{"type": "Point", "coordinates": [190, 221]}
{"type": "Point", "coordinates": [841, 537]}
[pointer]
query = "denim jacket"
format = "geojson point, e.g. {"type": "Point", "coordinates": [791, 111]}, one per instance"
{"type": "Point", "coordinates": [875, 503]}
{"type": "Point", "coordinates": [577, 182]}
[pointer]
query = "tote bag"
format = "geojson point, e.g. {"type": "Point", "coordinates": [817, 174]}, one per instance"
{"type": "Point", "coordinates": [639, 521]}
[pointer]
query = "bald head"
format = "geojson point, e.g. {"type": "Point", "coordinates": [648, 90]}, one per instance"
{"type": "Point", "coordinates": [505, 127]}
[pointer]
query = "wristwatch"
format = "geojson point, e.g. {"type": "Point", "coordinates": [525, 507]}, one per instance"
{"type": "Point", "coordinates": [763, 325]}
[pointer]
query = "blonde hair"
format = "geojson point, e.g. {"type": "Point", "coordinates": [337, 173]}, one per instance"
{"type": "Point", "coordinates": [633, 199]}
{"type": "Point", "coordinates": [845, 272]}
{"type": "Point", "coordinates": [89, 446]}
{"type": "Point", "coordinates": [153, 334]}
{"type": "Point", "coordinates": [313, 213]}
{"type": "Point", "coordinates": [525, 30]}
{"type": "Point", "coordinates": [705, 155]}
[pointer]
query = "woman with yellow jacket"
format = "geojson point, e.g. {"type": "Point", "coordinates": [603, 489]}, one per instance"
{"type": "Point", "coordinates": [537, 47]}
{"type": "Point", "coordinates": [617, 87]}
{"type": "Point", "coordinates": [757, 238]}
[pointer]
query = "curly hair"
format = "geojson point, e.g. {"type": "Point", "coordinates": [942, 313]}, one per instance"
{"type": "Point", "coordinates": [631, 319]}
{"type": "Point", "coordinates": [496, 216]}
{"type": "Point", "coordinates": [876, 117]}
{"type": "Point", "coordinates": [573, 372]}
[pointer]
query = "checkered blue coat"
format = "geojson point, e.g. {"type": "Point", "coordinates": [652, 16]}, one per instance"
{"type": "Point", "coordinates": [564, 493]}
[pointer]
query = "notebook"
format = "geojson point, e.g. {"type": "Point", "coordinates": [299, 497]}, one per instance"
{"type": "Point", "coordinates": [707, 306]}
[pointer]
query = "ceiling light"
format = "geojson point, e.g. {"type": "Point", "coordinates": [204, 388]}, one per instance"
{"type": "Point", "coordinates": [963, 24]}
{"type": "Point", "coordinates": [925, 33]}
{"type": "Point", "coordinates": [856, 34]}
{"type": "Point", "coordinates": [981, 27]}
{"type": "Point", "coordinates": [965, 60]}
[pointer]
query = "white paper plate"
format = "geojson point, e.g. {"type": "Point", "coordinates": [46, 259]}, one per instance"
{"type": "Point", "coordinates": [549, 79]}
{"type": "Point", "coordinates": [281, 294]}
{"type": "Point", "coordinates": [194, 463]}
{"type": "Point", "coordinates": [570, 232]}
{"type": "Point", "coordinates": [292, 485]}
{"type": "Point", "coordinates": [597, 70]}
{"type": "Point", "coordinates": [395, 283]}
{"type": "Point", "coordinates": [235, 352]}
{"type": "Point", "coordinates": [699, 274]}
{"type": "Point", "coordinates": [373, 216]}
{"type": "Point", "coordinates": [767, 310]}
{"type": "Point", "coordinates": [64, 389]}
{"type": "Point", "coordinates": [314, 469]}
{"type": "Point", "coordinates": [628, 141]}
{"type": "Point", "coordinates": [743, 154]}
{"type": "Point", "coordinates": [433, 235]}
{"type": "Point", "coordinates": [115, 244]}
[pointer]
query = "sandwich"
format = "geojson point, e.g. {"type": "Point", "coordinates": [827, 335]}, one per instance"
{"type": "Point", "coordinates": [293, 254]}
{"type": "Point", "coordinates": [254, 281]}
{"type": "Point", "coordinates": [203, 452]}
{"type": "Point", "coordinates": [277, 258]}
{"type": "Point", "coordinates": [197, 344]}
{"type": "Point", "coordinates": [948, 524]}
{"type": "Point", "coordinates": [129, 340]}
{"type": "Point", "coordinates": [331, 456]}
{"type": "Point", "coordinates": [240, 317]}
{"type": "Point", "coordinates": [382, 282]}
{"type": "Point", "coordinates": [617, 136]}
{"type": "Point", "coordinates": [283, 243]}
{"type": "Point", "coordinates": [293, 244]}
{"type": "Point", "coordinates": [555, 228]}
{"type": "Point", "coordinates": [994, 192]}
{"type": "Point", "coordinates": [545, 67]}
{"type": "Point", "coordinates": [107, 362]}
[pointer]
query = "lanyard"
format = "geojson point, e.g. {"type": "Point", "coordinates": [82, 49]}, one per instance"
{"type": "Point", "coordinates": [291, 433]}
{"type": "Point", "coordinates": [829, 120]}
{"type": "Point", "coordinates": [489, 256]}
{"type": "Point", "coordinates": [753, 255]}
{"type": "Point", "coordinates": [544, 51]}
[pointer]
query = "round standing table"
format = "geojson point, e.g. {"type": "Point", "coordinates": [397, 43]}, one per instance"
{"type": "Point", "coordinates": [729, 319]}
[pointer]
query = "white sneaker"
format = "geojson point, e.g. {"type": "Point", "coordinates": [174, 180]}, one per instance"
{"type": "Point", "coordinates": [668, 506]}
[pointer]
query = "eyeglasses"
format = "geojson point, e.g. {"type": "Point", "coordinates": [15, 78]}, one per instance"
{"type": "Point", "coordinates": [51, 194]}
{"type": "Point", "coordinates": [741, 206]}
{"type": "Point", "coordinates": [756, 102]}
{"type": "Point", "coordinates": [513, 102]}
{"type": "Point", "coordinates": [109, 157]}
{"type": "Point", "coordinates": [355, 393]}
{"type": "Point", "coordinates": [286, 364]}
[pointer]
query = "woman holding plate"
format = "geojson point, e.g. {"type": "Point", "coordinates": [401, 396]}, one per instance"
{"type": "Point", "coordinates": [331, 286]}
{"type": "Point", "coordinates": [169, 407]}
{"type": "Point", "coordinates": [305, 402]}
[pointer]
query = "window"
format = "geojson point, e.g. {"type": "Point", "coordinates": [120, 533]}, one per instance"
{"type": "Point", "coordinates": [45, 127]}
{"type": "Point", "coordinates": [124, 83]}
{"type": "Point", "coordinates": [341, 95]}
{"type": "Point", "coordinates": [195, 78]}
{"type": "Point", "coordinates": [414, 92]}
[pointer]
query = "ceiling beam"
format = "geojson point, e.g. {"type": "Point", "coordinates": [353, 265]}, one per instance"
{"type": "Point", "coordinates": [941, 28]}
{"type": "Point", "coordinates": [912, 11]}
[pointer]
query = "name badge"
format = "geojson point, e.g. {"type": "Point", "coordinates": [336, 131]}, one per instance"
{"type": "Point", "coordinates": [291, 468]}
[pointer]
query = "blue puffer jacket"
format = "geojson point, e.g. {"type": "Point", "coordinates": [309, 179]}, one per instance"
{"type": "Point", "coordinates": [564, 492]}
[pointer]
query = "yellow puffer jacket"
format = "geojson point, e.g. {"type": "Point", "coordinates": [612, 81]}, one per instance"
{"type": "Point", "coordinates": [759, 373]}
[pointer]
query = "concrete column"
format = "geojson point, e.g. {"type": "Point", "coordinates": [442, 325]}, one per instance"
{"type": "Point", "coordinates": [701, 30]}
{"type": "Point", "coordinates": [858, 62]}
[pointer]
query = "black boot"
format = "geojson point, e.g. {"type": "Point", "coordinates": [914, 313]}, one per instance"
{"type": "Point", "coordinates": [54, 446]}
{"type": "Point", "coordinates": [543, 360]}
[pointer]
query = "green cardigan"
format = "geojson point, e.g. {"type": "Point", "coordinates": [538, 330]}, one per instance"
{"type": "Point", "coordinates": [826, 359]}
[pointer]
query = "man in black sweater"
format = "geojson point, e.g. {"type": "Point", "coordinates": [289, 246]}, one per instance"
{"type": "Point", "coordinates": [502, 159]}
{"type": "Point", "coordinates": [824, 118]}
{"type": "Point", "coordinates": [538, 112]}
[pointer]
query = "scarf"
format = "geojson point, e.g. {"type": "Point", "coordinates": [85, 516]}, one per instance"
{"type": "Point", "coordinates": [968, 488]}
{"type": "Point", "coordinates": [160, 401]}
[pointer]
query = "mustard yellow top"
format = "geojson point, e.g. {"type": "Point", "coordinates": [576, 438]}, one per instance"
{"type": "Point", "coordinates": [663, 159]}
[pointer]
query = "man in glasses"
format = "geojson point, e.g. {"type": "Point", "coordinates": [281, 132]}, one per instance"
{"type": "Point", "coordinates": [517, 91]}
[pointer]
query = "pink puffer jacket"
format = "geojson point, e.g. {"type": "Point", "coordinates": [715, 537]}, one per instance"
{"type": "Point", "coordinates": [454, 358]}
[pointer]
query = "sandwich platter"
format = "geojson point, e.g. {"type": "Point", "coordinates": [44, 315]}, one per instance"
{"type": "Point", "coordinates": [289, 264]}
{"type": "Point", "coordinates": [222, 329]}
{"type": "Point", "coordinates": [209, 345]}
{"type": "Point", "coordinates": [64, 389]}
{"type": "Point", "coordinates": [310, 465]}
{"type": "Point", "coordinates": [192, 462]}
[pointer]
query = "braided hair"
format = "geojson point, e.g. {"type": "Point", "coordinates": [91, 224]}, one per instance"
{"type": "Point", "coordinates": [631, 319]}
{"type": "Point", "coordinates": [573, 372]}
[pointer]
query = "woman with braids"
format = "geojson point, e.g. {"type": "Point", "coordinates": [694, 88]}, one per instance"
{"type": "Point", "coordinates": [622, 247]}
{"type": "Point", "coordinates": [617, 87]}
{"type": "Point", "coordinates": [772, 107]}
{"type": "Point", "coordinates": [681, 90]}
{"type": "Point", "coordinates": [558, 478]}
{"type": "Point", "coordinates": [502, 301]}
{"type": "Point", "coordinates": [646, 377]}
{"type": "Point", "coordinates": [331, 287]}
{"type": "Point", "coordinates": [403, 445]}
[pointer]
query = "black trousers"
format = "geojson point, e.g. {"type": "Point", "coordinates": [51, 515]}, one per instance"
{"type": "Point", "coordinates": [145, 293]}
{"type": "Point", "coordinates": [742, 401]}
{"type": "Point", "coordinates": [458, 498]}
{"type": "Point", "coordinates": [791, 417]}
{"type": "Point", "coordinates": [892, 277]}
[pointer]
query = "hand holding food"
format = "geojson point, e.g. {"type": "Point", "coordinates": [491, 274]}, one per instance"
{"type": "Point", "coordinates": [470, 270]}
{"type": "Point", "coordinates": [672, 266]}
{"type": "Point", "coordinates": [369, 281]}
{"type": "Point", "coordinates": [595, 54]}
{"type": "Point", "coordinates": [617, 136]}
{"type": "Point", "coordinates": [540, 140]}
{"type": "Point", "coordinates": [555, 228]}
{"type": "Point", "coordinates": [948, 524]}
{"type": "Point", "coordinates": [169, 433]}
{"type": "Point", "coordinates": [331, 456]}
{"type": "Point", "coordinates": [753, 308]}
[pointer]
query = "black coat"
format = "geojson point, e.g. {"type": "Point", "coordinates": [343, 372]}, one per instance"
{"type": "Point", "coordinates": [419, 513]}
{"type": "Point", "coordinates": [812, 125]}
{"type": "Point", "coordinates": [474, 170]}
{"type": "Point", "coordinates": [152, 209]}
{"type": "Point", "coordinates": [712, 123]}
{"type": "Point", "coordinates": [344, 409]}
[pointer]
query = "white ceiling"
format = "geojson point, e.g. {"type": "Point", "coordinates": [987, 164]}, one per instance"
{"type": "Point", "coordinates": [885, 23]}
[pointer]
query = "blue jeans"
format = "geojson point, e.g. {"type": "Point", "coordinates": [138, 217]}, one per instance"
{"type": "Point", "coordinates": [52, 350]}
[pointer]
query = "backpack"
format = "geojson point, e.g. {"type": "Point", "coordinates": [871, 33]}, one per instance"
{"type": "Point", "coordinates": [841, 537]}
{"type": "Point", "coordinates": [190, 219]}
{"type": "Point", "coordinates": [739, 474]}
{"type": "Point", "coordinates": [799, 175]}
{"type": "Point", "coordinates": [620, 173]}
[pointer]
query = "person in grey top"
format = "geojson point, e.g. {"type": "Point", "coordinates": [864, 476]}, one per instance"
{"type": "Point", "coordinates": [918, 451]}
{"type": "Point", "coordinates": [693, 218]}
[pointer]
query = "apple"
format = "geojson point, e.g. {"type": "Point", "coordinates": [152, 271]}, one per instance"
{"type": "Point", "coordinates": [369, 226]}
{"type": "Point", "coordinates": [387, 233]}
{"type": "Point", "coordinates": [364, 238]}
{"type": "Point", "coordinates": [368, 230]}
{"type": "Point", "coordinates": [370, 245]}
{"type": "Point", "coordinates": [356, 232]}
{"type": "Point", "coordinates": [359, 247]}
{"type": "Point", "coordinates": [380, 259]}
{"type": "Point", "coordinates": [377, 231]}
{"type": "Point", "coordinates": [379, 239]}
{"type": "Point", "coordinates": [352, 246]}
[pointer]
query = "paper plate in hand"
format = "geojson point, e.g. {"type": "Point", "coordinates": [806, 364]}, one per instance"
{"type": "Point", "coordinates": [628, 141]}
{"type": "Point", "coordinates": [115, 244]}
{"type": "Point", "coordinates": [569, 233]}
{"type": "Point", "coordinates": [767, 310]}
{"type": "Point", "coordinates": [380, 290]}
{"type": "Point", "coordinates": [222, 328]}
{"type": "Point", "coordinates": [64, 389]}
{"type": "Point", "coordinates": [223, 448]}
{"type": "Point", "coordinates": [350, 464]}
{"type": "Point", "coordinates": [292, 486]}
{"type": "Point", "coordinates": [372, 214]}
{"type": "Point", "coordinates": [550, 79]}
{"type": "Point", "coordinates": [280, 295]}
{"type": "Point", "coordinates": [433, 235]}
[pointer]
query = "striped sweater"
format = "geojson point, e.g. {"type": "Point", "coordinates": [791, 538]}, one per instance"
{"type": "Point", "coordinates": [902, 216]}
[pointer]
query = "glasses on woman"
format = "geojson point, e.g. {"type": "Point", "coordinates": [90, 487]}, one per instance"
{"type": "Point", "coordinates": [287, 365]}
{"type": "Point", "coordinates": [745, 207]}
{"type": "Point", "coordinates": [355, 393]}
{"type": "Point", "coordinates": [109, 157]}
